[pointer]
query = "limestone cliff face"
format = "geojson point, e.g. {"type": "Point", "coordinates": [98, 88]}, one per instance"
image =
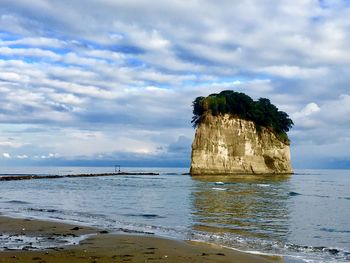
{"type": "Point", "coordinates": [229, 145]}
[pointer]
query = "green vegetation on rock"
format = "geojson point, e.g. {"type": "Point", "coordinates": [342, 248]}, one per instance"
{"type": "Point", "coordinates": [262, 112]}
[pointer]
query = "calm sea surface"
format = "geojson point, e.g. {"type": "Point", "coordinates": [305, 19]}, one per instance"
{"type": "Point", "coordinates": [305, 217]}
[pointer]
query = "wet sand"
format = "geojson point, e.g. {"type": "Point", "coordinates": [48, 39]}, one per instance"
{"type": "Point", "coordinates": [102, 246]}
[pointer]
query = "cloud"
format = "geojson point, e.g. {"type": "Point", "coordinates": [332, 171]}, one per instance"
{"type": "Point", "coordinates": [28, 52]}
{"type": "Point", "coordinates": [181, 146]}
{"type": "Point", "coordinates": [6, 155]}
{"type": "Point", "coordinates": [35, 41]}
{"type": "Point", "coordinates": [111, 77]}
{"type": "Point", "coordinates": [337, 111]}
{"type": "Point", "coordinates": [22, 156]}
{"type": "Point", "coordinates": [294, 71]}
{"type": "Point", "coordinates": [49, 156]}
{"type": "Point", "coordinates": [304, 117]}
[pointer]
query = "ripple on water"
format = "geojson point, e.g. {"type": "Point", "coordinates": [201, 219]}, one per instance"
{"type": "Point", "coordinates": [332, 230]}
{"type": "Point", "coordinates": [17, 202]}
{"type": "Point", "coordinates": [43, 210]}
{"type": "Point", "coordinates": [147, 216]}
{"type": "Point", "coordinates": [293, 193]}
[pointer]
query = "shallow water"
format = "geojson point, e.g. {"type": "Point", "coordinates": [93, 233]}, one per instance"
{"type": "Point", "coordinates": [304, 217]}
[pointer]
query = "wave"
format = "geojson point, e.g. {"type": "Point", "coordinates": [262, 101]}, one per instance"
{"type": "Point", "coordinates": [322, 196]}
{"type": "Point", "coordinates": [265, 247]}
{"type": "Point", "coordinates": [132, 231]}
{"type": "Point", "coordinates": [332, 230]}
{"type": "Point", "coordinates": [17, 202]}
{"type": "Point", "coordinates": [339, 254]}
{"type": "Point", "coordinates": [148, 216]}
{"type": "Point", "coordinates": [294, 194]}
{"type": "Point", "coordinates": [43, 210]}
{"type": "Point", "coordinates": [219, 189]}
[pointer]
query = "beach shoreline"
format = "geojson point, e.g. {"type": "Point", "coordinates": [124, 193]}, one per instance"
{"type": "Point", "coordinates": [98, 245]}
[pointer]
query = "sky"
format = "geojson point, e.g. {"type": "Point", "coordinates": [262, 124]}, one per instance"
{"type": "Point", "coordinates": [99, 82]}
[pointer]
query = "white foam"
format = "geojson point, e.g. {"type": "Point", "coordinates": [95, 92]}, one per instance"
{"type": "Point", "coordinates": [220, 189]}
{"type": "Point", "coordinates": [239, 250]}
{"type": "Point", "coordinates": [20, 242]}
{"type": "Point", "coordinates": [264, 185]}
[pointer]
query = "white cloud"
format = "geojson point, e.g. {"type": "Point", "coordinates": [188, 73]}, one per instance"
{"type": "Point", "coordinates": [337, 111]}
{"type": "Point", "coordinates": [22, 156]}
{"type": "Point", "coordinates": [308, 110]}
{"type": "Point", "coordinates": [6, 155]}
{"type": "Point", "coordinates": [294, 71]}
{"type": "Point", "coordinates": [29, 52]}
{"type": "Point", "coordinates": [49, 156]}
{"type": "Point", "coordinates": [67, 98]}
{"type": "Point", "coordinates": [35, 41]}
{"type": "Point", "coordinates": [10, 143]}
{"type": "Point", "coordinates": [304, 118]}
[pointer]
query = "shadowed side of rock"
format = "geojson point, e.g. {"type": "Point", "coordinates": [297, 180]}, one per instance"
{"type": "Point", "coordinates": [227, 145]}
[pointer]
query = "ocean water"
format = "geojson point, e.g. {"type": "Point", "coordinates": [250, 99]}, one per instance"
{"type": "Point", "coordinates": [304, 217]}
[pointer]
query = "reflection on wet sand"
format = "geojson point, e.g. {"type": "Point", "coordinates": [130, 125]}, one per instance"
{"type": "Point", "coordinates": [247, 206]}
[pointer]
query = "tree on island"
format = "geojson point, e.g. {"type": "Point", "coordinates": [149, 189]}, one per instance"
{"type": "Point", "coordinates": [262, 112]}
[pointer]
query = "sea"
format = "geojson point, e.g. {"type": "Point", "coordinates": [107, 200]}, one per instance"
{"type": "Point", "coordinates": [304, 217]}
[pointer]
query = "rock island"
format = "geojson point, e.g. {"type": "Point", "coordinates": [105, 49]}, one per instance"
{"type": "Point", "coordinates": [237, 135]}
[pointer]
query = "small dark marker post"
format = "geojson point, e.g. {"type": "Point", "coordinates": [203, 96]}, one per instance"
{"type": "Point", "coordinates": [115, 168]}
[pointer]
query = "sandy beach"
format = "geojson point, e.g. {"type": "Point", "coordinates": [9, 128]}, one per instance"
{"type": "Point", "coordinates": [101, 246]}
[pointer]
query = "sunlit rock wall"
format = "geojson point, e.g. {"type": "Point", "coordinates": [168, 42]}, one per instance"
{"type": "Point", "coordinates": [229, 145]}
